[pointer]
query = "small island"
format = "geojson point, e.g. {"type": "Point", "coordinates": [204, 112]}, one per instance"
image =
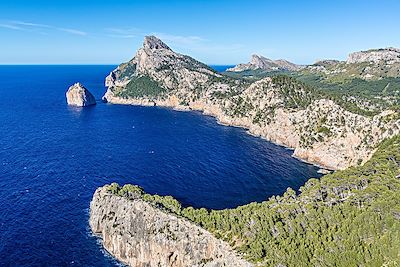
{"type": "Point", "coordinates": [78, 95]}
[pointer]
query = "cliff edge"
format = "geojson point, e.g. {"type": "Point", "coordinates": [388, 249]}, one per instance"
{"type": "Point", "coordinates": [139, 234]}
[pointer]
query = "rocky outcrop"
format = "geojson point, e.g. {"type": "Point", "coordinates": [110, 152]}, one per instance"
{"type": "Point", "coordinates": [78, 95]}
{"type": "Point", "coordinates": [141, 235]}
{"type": "Point", "coordinates": [373, 64]}
{"type": "Point", "coordinates": [389, 55]}
{"type": "Point", "coordinates": [261, 63]}
{"type": "Point", "coordinates": [280, 110]}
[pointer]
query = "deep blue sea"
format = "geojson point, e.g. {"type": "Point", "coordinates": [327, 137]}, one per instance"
{"type": "Point", "coordinates": [53, 157]}
{"type": "Point", "coordinates": [221, 68]}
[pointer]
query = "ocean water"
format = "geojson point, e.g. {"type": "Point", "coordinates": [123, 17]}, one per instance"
{"type": "Point", "coordinates": [221, 68]}
{"type": "Point", "coordinates": [53, 157]}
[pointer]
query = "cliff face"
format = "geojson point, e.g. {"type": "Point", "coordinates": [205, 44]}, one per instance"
{"type": "Point", "coordinates": [390, 55]}
{"type": "Point", "coordinates": [346, 218]}
{"type": "Point", "coordinates": [140, 235]}
{"type": "Point", "coordinates": [281, 110]}
{"type": "Point", "coordinates": [373, 64]}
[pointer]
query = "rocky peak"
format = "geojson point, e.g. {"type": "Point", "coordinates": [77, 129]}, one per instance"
{"type": "Point", "coordinates": [152, 42]}
{"type": "Point", "coordinates": [161, 67]}
{"type": "Point", "coordinates": [260, 61]}
{"type": "Point", "coordinates": [263, 63]}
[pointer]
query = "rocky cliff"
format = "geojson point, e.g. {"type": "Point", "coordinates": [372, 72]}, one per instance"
{"type": "Point", "coordinates": [262, 63]}
{"type": "Point", "coordinates": [141, 235]}
{"type": "Point", "coordinates": [373, 64]}
{"type": "Point", "coordinates": [390, 55]}
{"type": "Point", "coordinates": [280, 109]}
{"type": "Point", "coordinates": [78, 95]}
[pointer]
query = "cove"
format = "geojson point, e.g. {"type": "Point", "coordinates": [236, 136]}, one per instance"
{"type": "Point", "coordinates": [53, 157]}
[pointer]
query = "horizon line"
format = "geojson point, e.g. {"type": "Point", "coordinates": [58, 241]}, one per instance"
{"type": "Point", "coordinates": [85, 64]}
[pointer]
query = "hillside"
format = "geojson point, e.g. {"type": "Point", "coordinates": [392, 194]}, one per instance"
{"type": "Point", "coordinates": [323, 129]}
{"type": "Point", "coordinates": [367, 83]}
{"type": "Point", "coordinates": [348, 218]}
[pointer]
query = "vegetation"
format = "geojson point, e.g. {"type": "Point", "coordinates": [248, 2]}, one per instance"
{"type": "Point", "coordinates": [347, 218]}
{"type": "Point", "coordinates": [141, 86]}
{"type": "Point", "coordinates": [364, 97]}
{"type": "Point", "coordinates": [357, 94]}
{"type": "Point", "coordinates": [296, 93]}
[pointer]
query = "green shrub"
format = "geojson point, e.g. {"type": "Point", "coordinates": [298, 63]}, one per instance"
{"type": "Point", "coordinates": [141, 86]}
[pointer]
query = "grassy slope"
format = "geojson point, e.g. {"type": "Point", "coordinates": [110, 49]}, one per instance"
{"type": "Point", "coordinates": [348, 218]}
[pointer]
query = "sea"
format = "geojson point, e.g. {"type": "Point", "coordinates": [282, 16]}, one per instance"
{"type": "Point", "coordinates": [54, 156]}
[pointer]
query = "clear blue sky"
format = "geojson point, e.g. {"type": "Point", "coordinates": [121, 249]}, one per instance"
{"type": "Point", "coordinates": [215, 32]}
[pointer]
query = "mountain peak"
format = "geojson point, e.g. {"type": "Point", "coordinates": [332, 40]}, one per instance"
{"type": "Point", "coordinates": [260, 61]}
{"type": "Point", "coordinates": [263, 63]}
{"type": "Point", "coordinates": [256, 56]}
{"type": "Point", "coordinates": [152, 42]}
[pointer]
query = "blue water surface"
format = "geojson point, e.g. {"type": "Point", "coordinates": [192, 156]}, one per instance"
{"type": "Point", "coordinates": [221, 68]}
{"type": "Point", "coordinates": [53, 157]}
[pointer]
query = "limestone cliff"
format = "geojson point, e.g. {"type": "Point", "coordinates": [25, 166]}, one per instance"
{"type": "Point", "coordinates": [390, 55]}
{"type": "Point", "coordinates": [280, 109]}
{"type": "Point", "coordinates": [373, 64]}
{"type": "Point", "coordinates": [142, 235]}
{"type": "Point", "coordinates": [78, 95]}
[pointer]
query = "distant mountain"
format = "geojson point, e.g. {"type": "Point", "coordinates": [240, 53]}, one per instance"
{"type": "Point", "coordinates": [388, 55]}
{"type": "Point", "coordinates": [372, 64]}
{"type": "Point", "coordinates": [262, 63]}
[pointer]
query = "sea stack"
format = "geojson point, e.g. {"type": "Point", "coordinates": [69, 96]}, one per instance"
{"type": "Point", "coordinates": [78, 95]}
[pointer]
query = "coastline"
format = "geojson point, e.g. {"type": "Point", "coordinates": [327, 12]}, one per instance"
{"type": "Point", "coordinates": [173, 240]}
{"type": "Point", "coordinates": [206, 112]}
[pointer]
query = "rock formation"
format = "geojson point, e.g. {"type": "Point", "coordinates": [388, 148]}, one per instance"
{"type": "Point", "coordinates": [78, 95]}
{"type": "Point", "coordinates": [261, 63]}
{"type": "Point", "coordinates": [139, 234]}
{"type": "Point", "coordinates": [278, 109]}
{"type": "Point", "coordinates": [389, 55]}
{"type": "Point", "coordinates": [373, 64]}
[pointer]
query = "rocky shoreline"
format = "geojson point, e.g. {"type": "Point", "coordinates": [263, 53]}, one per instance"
{"type": "Point", "coordinates": [109, 98]}
{"type": "Point", "coordinates": [278, 109]}
{"type": "Point", "coordinates": [140, 234]}
{"type": "Point", "coordinates": [323, 161]}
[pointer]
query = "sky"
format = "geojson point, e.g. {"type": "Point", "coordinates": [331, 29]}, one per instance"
{"type": "Point", "coordinates": [215, 32]}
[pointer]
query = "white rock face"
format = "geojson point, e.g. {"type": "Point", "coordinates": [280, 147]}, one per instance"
{"type": "Point", "coordinates": [321, 133]}
{"type": "Point", "coordinates": [262, 63]}
{"type": "Point", "coordinates": [78, 95]}
{"type": "Point", "coordinates": [389, 55]}
{"type": "Point", "coordinates": [140, 235]}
